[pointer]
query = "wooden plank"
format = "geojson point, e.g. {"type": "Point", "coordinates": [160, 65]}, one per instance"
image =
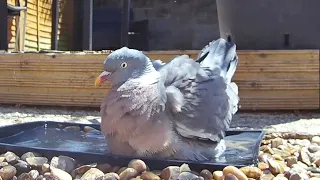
{"type": "Point", "coordinates": [32, 44]}
{"type": "Point", "coordinates": [278, 79]}
{"type": "Point", "coordinates": [11, 2]}
{"type": "Point", "coordinates": [267, 80]}
{"type": "Point", "coordinates": [34, 6]}
{"type": "Point", "coordinates": [22, 25]}
{"type": "Point", "coordinates": [42, 34]}
{"type": "Point", "coordinates": [38, 25]}
{"type": "Point", "coordinates": [34, 25]}
{"type": "Point", "coordinates": [45, 46]}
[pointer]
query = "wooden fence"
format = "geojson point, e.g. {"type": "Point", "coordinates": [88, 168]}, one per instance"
{"type": "Point", "coordinates": [267, 80]}
{"type": "Point", "coordinates": [39, 25]}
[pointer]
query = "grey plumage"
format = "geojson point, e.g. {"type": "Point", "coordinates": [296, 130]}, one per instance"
{"type": "Point", "coordinates": [179, 109]}
{"type": "Point", "coordinates": [157, 64]}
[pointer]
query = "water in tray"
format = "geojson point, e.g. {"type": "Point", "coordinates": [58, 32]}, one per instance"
{"type": "Point", "coordinates": [240, 147]}
{"type": "Point", "coordinates": [59, 139]}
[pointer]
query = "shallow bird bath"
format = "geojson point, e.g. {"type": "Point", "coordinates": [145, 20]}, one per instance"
{"type": "Point", "coordinates": [88, 145]}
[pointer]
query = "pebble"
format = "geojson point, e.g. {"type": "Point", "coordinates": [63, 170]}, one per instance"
{"type": "Point", "coordinates": [22, 167]}
{"type": "Point", "coordinates": [34, 174]}
{"type": "Point", "coordinates": [128, 173]}
{"type": "Point", "coordinates": [138, 165]}
{"type": "Point", "coordinates": [295, 176]}
{"type": "Point", "coordinates": [230, 176]}
{"type": "Point", "coordinates": [235, 171]}
{"type": "Point", "coordinates": [252, 172]}
{"type": "Point", "coordinates": [36, 161]}
{"type": "Point", "coordinates": [263, 166]}
{"type": "Point", "coordinates": [11, 157]}
{"type": "Point", "coordinates": [297, 168]}
{"type": "Point", "coordinates": [60, 174]}
{"type": "Point", "coordinates": [284, 147]}
{"type": "Point", "coordinates": [275, 167]}
{"type": "Point", "coordinates": [316, 139]}
{"type": "Point", "coordinates": [121, 169]}
{"type": "Point", "coordinates": [49, 176]}
{"type": "Point", "coordinates": [29, 154]}
{"type": "Point", "coordinates": [277, 142]}
{"type": "Point", "coordinates": [188, 176]}
{"type": "Point", "coordinates": [82, 169]}
{"type": "Point", "coordinates": [281, 153]}
{"type": "Point", "coordinates": [304, 157]}
{"type": "Point", "coordinates": [291, 160]}
{"type": "Point", "coordinates": [65, 163]}
{"type": "Point", "coordinates": [313, 169]}
{"type": "Point", "coordinates": [301, 164]}
{"type": "Point", "coordinates": [3, 164]}
{"type": "Point", "coordinates": [314, 148]}
{"type": "Point", "coordinates": [45, 168]}
{"type": "Point", "coordinates": [93, 174]}
{"type": "Point", "coordinates": [314, 175]}
{"type": "Point", "coordinates": [302, 142]}
{"type": "Point", "coordinates": [111, 176]}
{"type": "Point", "coordinates": [218, 175]}
{"type": "Point", "coordinates": [279, 178]}
{"type": "Point", "coordinates": [317, 162]}
{"type": "Point", "coordinates": [25, 176]}
{"type": "Point", "coordinates": [170, 172]}
{"type": "Point", "coordinates": [268, 150]}
{"type": "Point", "coordinates": [185, 168]}
{"type": "Point", "coordinates": [277, 157]}
{"type": "Point", "coordinates": [8, 172]}
{"type": "Point", "coordinates": [264, 157]}
{"type": "Point", "coordinates": [267, 177]}
{"type": "Point", "coordinates": [314, 178]}
{"type": "Point", "coordinates": [150, 176]}
{"type": "Point", "coordinates": [206, 174]}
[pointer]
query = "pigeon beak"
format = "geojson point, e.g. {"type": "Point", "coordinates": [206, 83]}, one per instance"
{"type": "Point", "coordinates": [101, 78]}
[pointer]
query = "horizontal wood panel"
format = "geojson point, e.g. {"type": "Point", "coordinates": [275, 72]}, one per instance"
{"type": "Point", "coordinates": [267, 80]}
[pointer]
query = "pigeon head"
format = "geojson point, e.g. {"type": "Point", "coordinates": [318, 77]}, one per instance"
{"type": "Point", "coordinates": [124, 64]}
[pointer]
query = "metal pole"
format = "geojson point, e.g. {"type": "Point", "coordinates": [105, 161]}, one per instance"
{"type": "Point", "coordinates": [78, 25]}
{"type": "Point", "coordinates": [55, 21]}
{"type": "Point", "coordinates": [4, 25]}
{"type": "Point", "coordinates": [87, 25]}
{"type": "Point", "coordinates": [125, 22]}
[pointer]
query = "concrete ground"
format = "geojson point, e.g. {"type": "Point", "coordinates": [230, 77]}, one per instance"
{"type": "Point", "coordinates": [306, 122]}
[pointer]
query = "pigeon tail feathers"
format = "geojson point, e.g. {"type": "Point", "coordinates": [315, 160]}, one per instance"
{"type": "Point", "coordinates": [220, 54]}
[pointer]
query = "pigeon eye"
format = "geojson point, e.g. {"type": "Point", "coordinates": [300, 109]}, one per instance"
{"type": "Point", "coordinates": [123, 65]}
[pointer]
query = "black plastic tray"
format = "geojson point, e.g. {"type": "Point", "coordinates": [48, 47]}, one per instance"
{"type": "Point", "coordinates": [84, 157]}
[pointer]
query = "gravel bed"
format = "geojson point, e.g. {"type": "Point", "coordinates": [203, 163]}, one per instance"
{"type": "Point", "coordinates": [304, 122]}
{"type": "Point", "coordinates": [282, 156]}
{"type": "Point", "coordinates": [279, 159]}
